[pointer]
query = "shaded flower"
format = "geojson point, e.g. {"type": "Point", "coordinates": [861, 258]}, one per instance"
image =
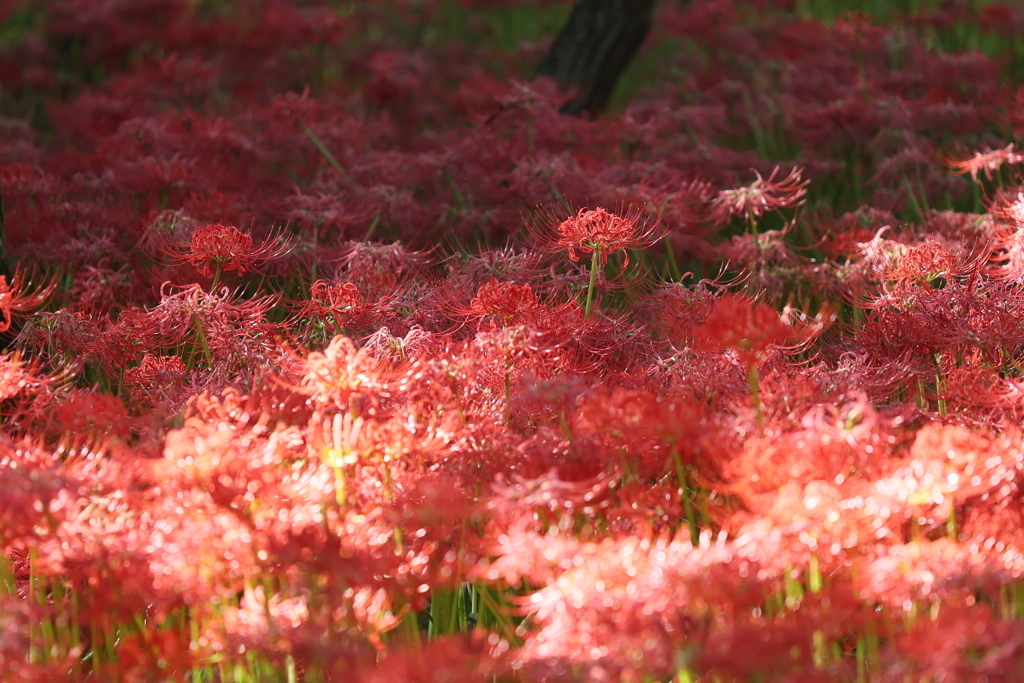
{"type": "Point", "coordinates": [158, 378]}
{"type": "Point", "coordinates": [761, 196]}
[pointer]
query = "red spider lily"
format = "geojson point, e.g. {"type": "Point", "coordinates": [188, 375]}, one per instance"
{"type": "Point", "coordinates": [987, 161]}
{"type": "Point", "coordinates": [507, 302]}
{"type": "Point", "coordinates": [338, 300]}
{"type": "Point", "coordinates": [1007, 259]}
{"type": "Point", "coordinates": [231, 333]}
{"type": "Point", "coordinates": [158, 379]}
{"type": "Point", "coordinates": [342, 372]}
{"type": "Point", "coordinates": [745, 326]}
{"type": "Point", "coordinates": [773, 266]}
{"type": "Point", "coordinates": [674, 310]}
{"type": "Point", "coordinates": [1008, 207]}
{"type": "Point", "coordinates": [761, 196]}
{"type": "Point", "coordinates": [19, 296]}
{"type": "Point", "coordinates": [681, 209]}
{"type": "Point", "coordinates": [25, 393]}
{"type": "Point", "coordinates": [417, 343]}
{"type": "Point", "coordinates": [288, 526]}
{"type": "Point", "coordinates": [342, 305]}
{"type": "Point", "coordinates": [377, 269]}
{"type": "Point", "coordinates": [18, 377]}
{"type": "Point", "coordinates": [600, 610]}
{"type": "Point", "coordinates": [597, 231]}
{"type": "Point", "coordinates": [96, 415]}
{"type": "Point", "coordinates": [215, 248]}
{"type": "Point", "coordinates": [926, 262]}
{"type": "Point", "coordinates": [98, 288]}
{"type": "Point", "coordinates": [749, 329]}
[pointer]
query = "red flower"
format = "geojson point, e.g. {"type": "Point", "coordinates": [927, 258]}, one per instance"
{"type": "Point", "coordinates": [749, 328]}
{"type": "Point", "coordinates": [987, 161]}
{"type": "Point", "coordinates": [218, 247]}
{"type": "Point", "coordinates": [158, 378]}
{"type": "Point", "coordinates": [19, 297]}
{"type": "Point", "coordinates": [597, 230]}
{"type": "Point", "coordinates": [505, 300]}
{"type": "Point", "coordinates": [761, 196]}
{"type": "Point", "coordinates": [340, 295]}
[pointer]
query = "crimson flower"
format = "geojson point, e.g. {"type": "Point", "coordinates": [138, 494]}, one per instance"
{"type": "Point", "coordinates": [158, 378]}
{"type": "Point", "coordinates": [339, 295]}
{"type": "Point", "coordinates": [597, 232]}
{"type": "Point", "coordinates": [747, 328]}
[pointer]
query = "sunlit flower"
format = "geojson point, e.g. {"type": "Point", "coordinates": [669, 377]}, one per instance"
{"type": "Point", "coordinates": [986, 162]}
{"type": "Point", "coordinates": [598, 231]}
{"type": "Point", "coordinates": [230, 249]}
{"type": "Point", "coordinates": [746, 327]}
{"type": "Point", "coordinates": [215, 248]}
{"type": "Point", "coordinates": [19, 296]}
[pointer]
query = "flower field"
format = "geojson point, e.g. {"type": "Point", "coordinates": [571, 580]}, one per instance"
{"type": "Point", "coordinates": [332, 351]}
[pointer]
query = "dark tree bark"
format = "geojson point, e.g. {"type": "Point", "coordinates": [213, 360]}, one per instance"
{"type": "Point", "coordinates": [594, 48]}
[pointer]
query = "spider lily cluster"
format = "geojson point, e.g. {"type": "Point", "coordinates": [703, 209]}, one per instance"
{"type": "Point", "coordinates": [333, 352]}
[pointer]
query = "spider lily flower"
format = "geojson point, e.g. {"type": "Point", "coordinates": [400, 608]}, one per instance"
{"type": "Point", "coordinates": [760, 197]}
{"type": "Point", "coordinates": [987, 162]}
{"type": "Point", "coordinates": [597, 231]}
{"type": "Point", "coordinates": [215, 248]}
{"type": "Point", "coordinates": [19, 296]}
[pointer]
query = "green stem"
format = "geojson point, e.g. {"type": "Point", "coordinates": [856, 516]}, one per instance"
{"type": "Point", "coordinates": [673, 267]}
{"type": "Point", "coordinates": [508, 388]}
{"type": "Point", "coordinates": [202, 340]}
{"type": "Point", "coordinates": [755, 392]}
{"type": "Point", "coordinates": [216, 278]}
{"type": "Point", "coordinates": [318, 143]}
{"type": "Point", "coordinates": [814, 578]}
{"type": "Point", "coordinates": [594, 262]}
{"type": "Point", "coordinates": [684, 493]}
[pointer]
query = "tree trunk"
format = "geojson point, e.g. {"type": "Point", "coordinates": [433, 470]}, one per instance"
{"type": "Point", "coordinates": [594, 48]}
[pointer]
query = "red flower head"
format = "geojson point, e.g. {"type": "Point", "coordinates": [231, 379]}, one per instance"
{"type": "Point", "coordinates": [158, 378]}
{"type": "Point", "coordinates": [597, 230]}
{"type": "Point", "coordinates": [231, 249]}
{"type": "Point", "coordinates": [745, 326]}
{"type": "Point", "coordinates": [986, 162]}
{"type": "Point", "coordinates": [761, 196]}
{"type": "Point", "coordinates": [342, 296]}
{"type": "Point", "coordinates": [216, 247]}
{"type": "Point", "coordinates": [506, 301]}
{"type": "Point", "coordinates": [19, 297]}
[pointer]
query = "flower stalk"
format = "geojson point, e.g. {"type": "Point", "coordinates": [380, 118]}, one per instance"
{"type": "Point", "coordinates": [595, 263]}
